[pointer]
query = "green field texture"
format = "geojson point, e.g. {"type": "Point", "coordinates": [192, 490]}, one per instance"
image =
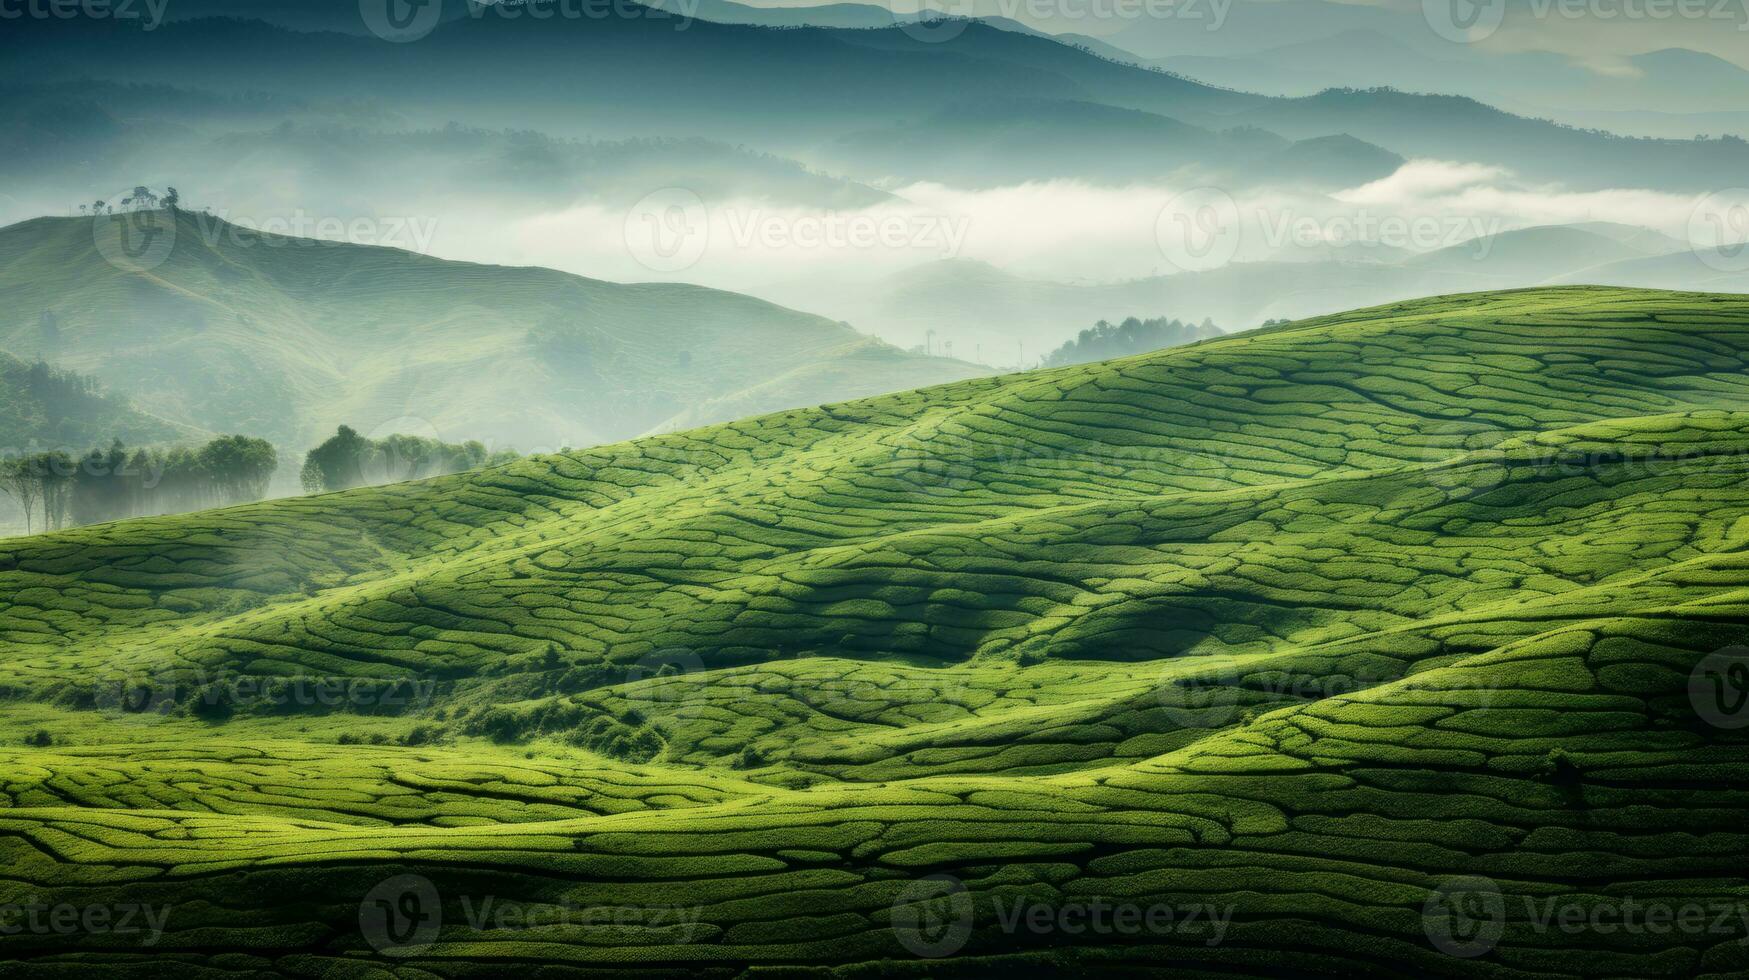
{"type": "Point", "coordinates": [231, 329]}
{"type": "Point", "coordinates": [1305, 623]}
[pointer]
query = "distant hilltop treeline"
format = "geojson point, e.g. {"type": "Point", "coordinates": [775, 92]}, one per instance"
{"type": "Point", "coordinates": [119, 482]}
{"type": "Point", "coordinates": [1105, 341]}
{"type": "Point", "coordinates": [57, 489]}
{"type": "Point", "coordinates": [141, 198]}
{"type": "Point", "coordinates": [348, 460]}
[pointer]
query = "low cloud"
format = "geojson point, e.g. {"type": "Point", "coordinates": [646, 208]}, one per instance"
{"type": "Point", "coordinates": [1058, 230]}
{"type": "Point", "coordinates": [1417, 180]}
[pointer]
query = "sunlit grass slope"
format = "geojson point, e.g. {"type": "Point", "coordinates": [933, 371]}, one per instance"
{"type": "Point", "coordinates": [1304, 623]}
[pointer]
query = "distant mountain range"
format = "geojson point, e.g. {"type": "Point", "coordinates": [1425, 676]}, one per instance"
{"type": "Point", "coordinates": [1679, 74]}
{"type": "Point", "coordinates": [997, 143]}
{"type": "Point", "coordinates": [1010, 318]}
{"type": "Point", "coordinates": [1262, 46]}
{"type": "Point", "coordinates": [285, 338]}
{"type": "Point", "coordinates": [69, 141]}
{"type": "Point", "coordinates": [848, 116]}
{"type": "Point", "coordinates": [797, 91]}
{"type": "Point", "coordinates": [1674, 83]}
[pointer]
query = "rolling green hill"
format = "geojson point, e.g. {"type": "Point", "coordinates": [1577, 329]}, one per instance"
{"type": "Point", "coordinates": [230, 329]}
{"type": "Point", "coordinates": [1312, 631]}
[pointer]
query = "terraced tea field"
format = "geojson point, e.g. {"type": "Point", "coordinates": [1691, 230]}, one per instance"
{"type": "Point", "coordinates": [1393, 642]}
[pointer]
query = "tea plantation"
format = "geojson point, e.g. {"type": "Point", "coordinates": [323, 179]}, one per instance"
{"type": "Point", "coordinates": [1393, 642]}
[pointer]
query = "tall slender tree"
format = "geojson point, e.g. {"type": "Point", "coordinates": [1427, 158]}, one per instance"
{"type": "Point", "coordinates": [17, 483]}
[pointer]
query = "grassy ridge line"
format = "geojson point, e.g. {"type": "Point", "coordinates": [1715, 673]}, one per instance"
{"type": "Point", "coordinates": [277, 612]}
{"type": "Point", "coordinates": [1205, 559]}
{"type": "Point", "coordinates": [1115, 699]}
{"type": "Point", "coordinates": [943, 450]}
{"type": "Point", "coordinates": [485, 516]}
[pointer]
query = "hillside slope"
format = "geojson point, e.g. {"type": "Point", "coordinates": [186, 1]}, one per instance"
{"type": "Point", "coordinates": [48, 409]}
{"type": "Point", "coordinates": [230, 329]}
{"type": "Point", "coordinates": [1305, 627]}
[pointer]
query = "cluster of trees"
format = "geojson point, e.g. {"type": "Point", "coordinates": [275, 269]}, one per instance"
{"type": "Point", "coordinates": [39, 389]}
{"type": "Point", "coordinates": [57, 489]}
{"type": "Point", "coordinates": [42, 405]}
{"type": "Point", "coordinates": [349, 460]}
{"type": "Point", "coordinates": [117, 483]}
{"type": "Point", "coordinates": [1133, 336]}
{"type": "Point", "coordinates": [143, 198]}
